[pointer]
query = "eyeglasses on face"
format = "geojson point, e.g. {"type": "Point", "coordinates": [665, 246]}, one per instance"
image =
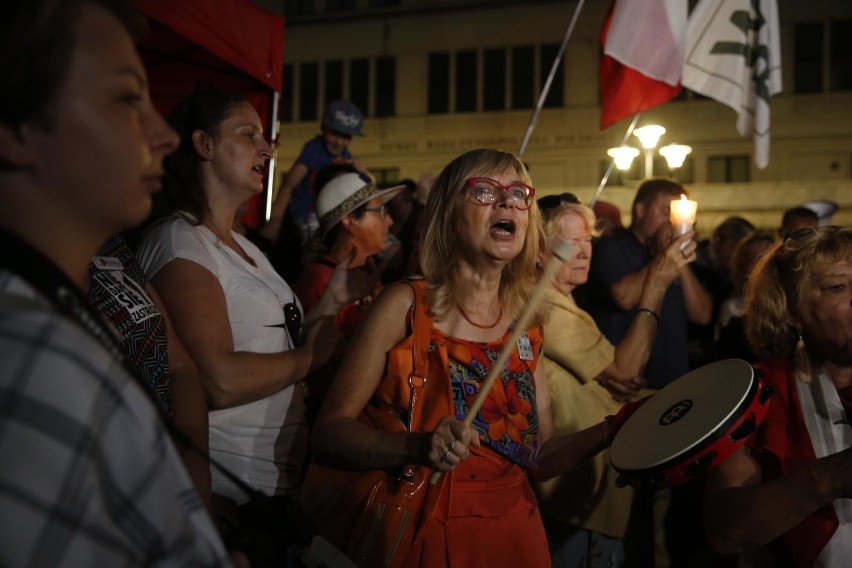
{"type": "Point", "coordinates": [382, 210]}
{"type": "Point", "coordinates": [553, 201]}
{"type": "Point", "coordinates": [485, 190]}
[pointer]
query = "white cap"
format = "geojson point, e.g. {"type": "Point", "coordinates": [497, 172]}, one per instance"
{"type": "Point", "coordinates": [823, 208]}
{"type": "Point", "coordinates": [344, 194]}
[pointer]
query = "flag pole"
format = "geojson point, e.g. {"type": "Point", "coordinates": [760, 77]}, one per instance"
{"type": "Point", "coordinates": [546, 89]}
{"type": "Point", "coordinates": [611, 167]}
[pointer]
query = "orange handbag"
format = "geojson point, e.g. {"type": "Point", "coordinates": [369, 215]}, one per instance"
{"type": "Point", "coordinates": [375, 516]}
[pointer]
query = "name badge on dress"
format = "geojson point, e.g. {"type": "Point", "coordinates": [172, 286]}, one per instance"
{"type": "Point", "coordinates": [107, 263]}
{"type": "Point", "coordinates": [525, 351]}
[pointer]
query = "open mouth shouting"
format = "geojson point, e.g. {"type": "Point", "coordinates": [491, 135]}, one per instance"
{"type": "Point", "coordinates": [504, 228]}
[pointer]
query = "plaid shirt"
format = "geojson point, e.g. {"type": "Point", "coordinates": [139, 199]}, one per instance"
{"type": "Point", "coordinates": [89, 476]}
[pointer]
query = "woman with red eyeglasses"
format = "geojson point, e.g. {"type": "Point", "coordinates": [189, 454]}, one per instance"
{"type": "Point", "coordinates": [478, 254]}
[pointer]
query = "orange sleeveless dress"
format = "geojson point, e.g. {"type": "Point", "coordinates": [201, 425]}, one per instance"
{"type": "Point", "coordinates": [492, 516]}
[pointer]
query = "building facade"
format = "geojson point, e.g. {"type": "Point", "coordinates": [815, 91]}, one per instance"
{"type": "Point", "coordinates": [437, 78]}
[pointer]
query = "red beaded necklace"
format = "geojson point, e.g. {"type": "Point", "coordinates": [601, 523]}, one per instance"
{"type": "Point", "coordinates": [480, 325]}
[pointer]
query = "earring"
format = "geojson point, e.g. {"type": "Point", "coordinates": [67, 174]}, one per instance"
{"type": "Point", "coordinates": [803, 364]}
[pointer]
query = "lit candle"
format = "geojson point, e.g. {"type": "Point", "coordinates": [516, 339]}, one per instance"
{"type": "Point", "coordinates": [683, 214]}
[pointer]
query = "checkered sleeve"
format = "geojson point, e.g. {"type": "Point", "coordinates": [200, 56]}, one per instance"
{"type": "Point", "coordinates": [88, 476]}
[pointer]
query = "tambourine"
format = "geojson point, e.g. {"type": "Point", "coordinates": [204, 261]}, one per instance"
{"type": "Point", "coordinates": [690, 426]}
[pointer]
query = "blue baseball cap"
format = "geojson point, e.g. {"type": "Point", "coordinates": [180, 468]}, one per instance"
{"type": "Point", "coordinates": [344, 117]}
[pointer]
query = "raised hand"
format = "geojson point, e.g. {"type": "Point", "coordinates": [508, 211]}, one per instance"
{"type": "Point", "coordinates": [347, 285]}
{"type": "Point", "coordinates": [673, 257]}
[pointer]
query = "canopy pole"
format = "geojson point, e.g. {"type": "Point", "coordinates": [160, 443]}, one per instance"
{"type": "Point", "coordinates": [270, 177]}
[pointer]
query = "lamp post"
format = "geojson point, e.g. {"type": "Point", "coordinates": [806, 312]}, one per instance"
{"type": "Point", "coordinates": [649, 137]}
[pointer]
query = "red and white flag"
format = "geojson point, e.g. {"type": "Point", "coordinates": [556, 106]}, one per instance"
{"type": "Point", "coordinates": [643, 43]}
{"type": "Point", "coordinates": [733, 55]}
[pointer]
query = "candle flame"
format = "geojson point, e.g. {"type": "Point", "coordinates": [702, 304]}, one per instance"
{"type": "Point", "coordinates": [683, 197]}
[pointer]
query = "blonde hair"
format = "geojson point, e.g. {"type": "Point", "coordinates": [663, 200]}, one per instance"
{"type": "Point", "coordinates": [774, 289]}
{"type": "Point", "coordinates": [551, 217]}
{"type": "Point", "coordinates": [439, 250]}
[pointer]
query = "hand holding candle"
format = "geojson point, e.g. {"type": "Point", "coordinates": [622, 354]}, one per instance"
{"type": "Point", "coordinates": [682, 215]}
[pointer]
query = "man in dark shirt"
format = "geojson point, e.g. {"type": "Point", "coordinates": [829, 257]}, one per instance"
{"type": "Point", "coordinates": [619, 266]}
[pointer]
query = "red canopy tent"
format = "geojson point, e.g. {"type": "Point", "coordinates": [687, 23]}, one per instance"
{"type": "Point", "coordinates": [231, 44]}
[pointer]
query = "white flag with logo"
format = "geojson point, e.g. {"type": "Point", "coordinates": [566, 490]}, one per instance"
{"type": "Point", "coordinates": [733, 54]}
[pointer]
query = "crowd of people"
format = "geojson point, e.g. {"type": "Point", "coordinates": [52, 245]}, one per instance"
{"type": "Point", "coordinates": [168, 376]}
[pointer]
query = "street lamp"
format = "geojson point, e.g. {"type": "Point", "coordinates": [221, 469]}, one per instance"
{"type": "Point", "coordinates": [623, 156]}
{"type": "Point", "coordinates": [675, 154]}
{"type": "Point", "coordinates": [648, 137]}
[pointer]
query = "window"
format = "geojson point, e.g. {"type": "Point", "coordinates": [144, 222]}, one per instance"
{"type": "Point", "coordinates": [556, 95]}
{"type": "Point", "coordinates": [298, 7]}
{"type": "Point", "coordinates": [728, 169]}
{"type": "Point", "coordinates": [523, 76]}
{"type": "Point", "coordinates": [439, 83]}
{"type": "Point", "coordinates": [822, 55]}
{"type": "Point", "coordinates": [385, 176]}
{"type": "Point", "coordinates": [285, 108]}
{"type": "Point", "coordinates": [364, 76]}
{"type": "Point", "coordinates": [840, 64]}
{"type": "Point", "coordinates": [807, 55]}
{"type": "Point", "coordinates": [466, 81]}
{"type": "Point", "coordinates": [455, 79]}
{"type": "Point", "coordinates": [333, 81]}
{"type": "Point", "coordinates": [494, 79]}
{"type": "Point", "coordinates": [308, 79]}
{"type": "Point", "coordinates": [385, 86]}
{"type": "Point", "coordinates": [359, 83]}
{"type": "Point", "coordinates": [340, 5]}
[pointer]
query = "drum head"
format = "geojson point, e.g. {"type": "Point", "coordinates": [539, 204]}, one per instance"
{"type": "Point", "coordinates": [684, 417]}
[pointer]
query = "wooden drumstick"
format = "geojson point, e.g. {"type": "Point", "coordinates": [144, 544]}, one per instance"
{"type": "Point", "coordinates": [561, 249]}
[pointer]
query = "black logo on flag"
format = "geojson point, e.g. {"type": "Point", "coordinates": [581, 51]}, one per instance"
{"type": "Point", "coordinates": [753, 54]}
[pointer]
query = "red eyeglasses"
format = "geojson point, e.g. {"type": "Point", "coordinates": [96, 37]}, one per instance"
{"type": "Point", "coordinates": [485, 190]}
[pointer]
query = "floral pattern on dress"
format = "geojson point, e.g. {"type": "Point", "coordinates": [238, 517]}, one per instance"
{"type": "Point", "coordinates": [505, 413]}
{"type": "Point", "coordinates": [507, 422]}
